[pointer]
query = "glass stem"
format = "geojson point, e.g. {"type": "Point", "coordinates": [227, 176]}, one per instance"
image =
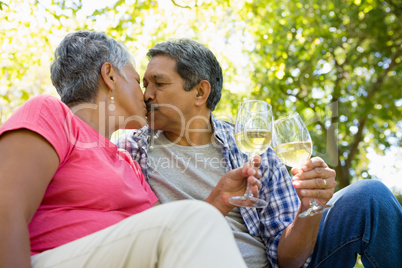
{"type": "Point", "coordinates": [314, 203]}
{"type": "Point", "coordinates": [251, 162]}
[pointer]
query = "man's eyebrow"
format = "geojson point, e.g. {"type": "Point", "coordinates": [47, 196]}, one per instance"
{"type": "Point", "coordinates": [158, 76]}
{"type": "Point", "coordinates": [155, 77]}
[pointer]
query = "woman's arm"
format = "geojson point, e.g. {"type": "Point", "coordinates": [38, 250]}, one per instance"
{"type": "Point", "coordinates": [27, 164]}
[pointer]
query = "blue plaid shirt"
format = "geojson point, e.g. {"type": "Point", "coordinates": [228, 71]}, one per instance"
{"type": "Point", "coordinates": [277, 188]}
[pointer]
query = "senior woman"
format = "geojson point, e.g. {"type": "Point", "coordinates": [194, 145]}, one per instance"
{"type": "Point", "coordinates": [70, 198]}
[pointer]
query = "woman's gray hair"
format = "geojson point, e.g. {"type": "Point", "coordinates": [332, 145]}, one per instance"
{"type": "Point", "coordinates": [194, 63]}
{"type": "Point", "coordinates": [77, 63]}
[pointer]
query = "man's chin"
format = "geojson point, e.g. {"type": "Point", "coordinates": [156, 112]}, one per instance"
{"type": "Point", "coordinates": [136, 124]}
{"type": "Point", "coordinates": [152, 125]}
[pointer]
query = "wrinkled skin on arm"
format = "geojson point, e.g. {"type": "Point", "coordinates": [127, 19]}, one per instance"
{"type": "Point", "coordinates": [27, 165]}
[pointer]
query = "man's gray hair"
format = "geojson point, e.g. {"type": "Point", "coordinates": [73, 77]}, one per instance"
{"type": "Point", "coordinates": [76, 68]}
{"type": "Point", "coordinates": [194, 63]}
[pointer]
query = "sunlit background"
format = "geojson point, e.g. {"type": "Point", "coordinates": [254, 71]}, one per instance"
{"type": "Point", "coordinates": [297, 55]}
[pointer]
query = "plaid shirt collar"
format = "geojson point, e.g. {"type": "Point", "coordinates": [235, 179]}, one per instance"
{"type": "Point", "coordinates": [144, 136]}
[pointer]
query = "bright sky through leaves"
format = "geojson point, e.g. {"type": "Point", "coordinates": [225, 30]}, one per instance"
{"type": "Point", "coordinates": [297, 55]}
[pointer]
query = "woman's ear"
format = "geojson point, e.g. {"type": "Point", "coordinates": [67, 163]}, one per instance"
{"type": "Point", "coordinates": [108, 75]}
{"type": "Point", "coordinates": [203, 89]}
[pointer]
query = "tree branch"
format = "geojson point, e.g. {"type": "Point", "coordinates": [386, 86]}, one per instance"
{"type": "Point", "coordinates": [2, 4]}
{"type": "Point", "coordinates": [176, 4]}
{"type": "Point", "coordinates": [375, 88]}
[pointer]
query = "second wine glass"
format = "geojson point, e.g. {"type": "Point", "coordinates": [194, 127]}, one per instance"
{"type": "Point", "coordinates": [253, 134]}
{"type": "Point", "coordinates": [293, 146]}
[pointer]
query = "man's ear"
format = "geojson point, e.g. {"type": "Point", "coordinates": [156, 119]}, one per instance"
{"type": "Point", "coordinates": [108, 75]}
{"type": "Point", "coordinates": [203, 89]}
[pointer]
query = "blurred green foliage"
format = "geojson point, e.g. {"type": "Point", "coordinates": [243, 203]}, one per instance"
{"type": "Point", "coordinates": [338, 63]}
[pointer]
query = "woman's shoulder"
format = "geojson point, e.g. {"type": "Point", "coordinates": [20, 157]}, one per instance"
{"type": "Point", "coordinates": [38, 112]}
{"type": "Point", "coordinates": [46, 106]}
{"type": "Point", "coordinates": [44, 115]}
{"type": "Point", "coordinates": [45, 99]}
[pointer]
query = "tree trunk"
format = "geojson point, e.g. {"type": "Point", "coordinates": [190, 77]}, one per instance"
{"type": "Point", "coordinates": [342, 176]}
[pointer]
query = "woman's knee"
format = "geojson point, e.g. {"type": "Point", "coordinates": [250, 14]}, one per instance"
{"type": "Point", "coordinates": [185, 212]}
{"type": "Point", "coordinates": [200, 210]}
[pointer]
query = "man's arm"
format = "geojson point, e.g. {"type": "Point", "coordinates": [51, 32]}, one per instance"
{"type": "Point", "coordinates": [298, 239]}
{"type": "Point", "coordinates": [27, 164]}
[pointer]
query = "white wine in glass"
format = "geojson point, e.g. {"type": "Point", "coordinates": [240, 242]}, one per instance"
{"type": "Point", "coordinates": [294, 154]}
{"type": "Point", "coordinates": [293, 146]}
{"type": "Point", "coordinates": [253, 134]}
{"type": "Point", "coordinates": [253, 141]}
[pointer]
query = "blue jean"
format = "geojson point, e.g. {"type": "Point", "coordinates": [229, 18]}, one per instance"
{"type": "Point", "coordinates": [366, 219]}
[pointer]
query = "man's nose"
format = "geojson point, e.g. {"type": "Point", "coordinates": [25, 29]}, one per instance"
{"type": "Point", "coordinates": [148, 95]}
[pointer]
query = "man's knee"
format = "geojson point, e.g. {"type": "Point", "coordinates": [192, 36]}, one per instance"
{"type": "Point", "coordinates": [363, 192]}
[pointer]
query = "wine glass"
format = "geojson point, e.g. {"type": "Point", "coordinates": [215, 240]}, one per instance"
{"type": "Point", "coordinates": [253, 134]}
{"type": "Point", "coordinates": [293, 146]}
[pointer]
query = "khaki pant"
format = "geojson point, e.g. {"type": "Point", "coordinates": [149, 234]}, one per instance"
{"type": "Point", "coordinates": [179, 234]}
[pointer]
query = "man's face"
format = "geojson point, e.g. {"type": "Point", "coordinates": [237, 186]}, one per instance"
{"type": "Point", "coordinates": [169, 105]}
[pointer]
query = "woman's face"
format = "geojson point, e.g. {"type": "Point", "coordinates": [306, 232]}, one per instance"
{"type": "Point", "coordinates": [129, 100]}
